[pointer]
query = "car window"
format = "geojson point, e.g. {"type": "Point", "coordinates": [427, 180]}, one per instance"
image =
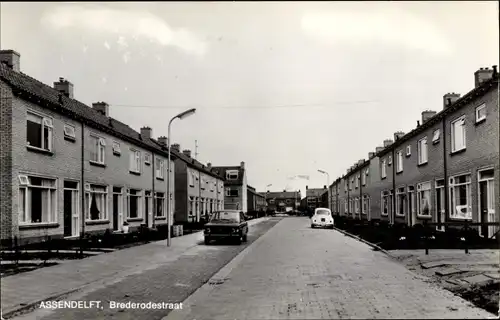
{"type": "Point", "coordinates": [226, 216]}
{"type": "Point", "coordinates": [323, 212]}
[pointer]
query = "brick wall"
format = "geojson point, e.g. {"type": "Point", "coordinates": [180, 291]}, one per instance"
{"type": "Point", "coordinates": [6, 225]}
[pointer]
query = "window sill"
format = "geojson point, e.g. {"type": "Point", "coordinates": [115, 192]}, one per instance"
{"type": "Point", "coordinates": [134, 219]}
{"type": "Point", "coordinates": [408, 155]}
{"type": "Point", "coordinates": [383, 178]}
{"type": "Point", "coordinates": [460, 218]}
{"type": "Point", "coordinates": [134, 173]}
{"type": "Point", "coordinates": [191, 185]}
{"type": "Point", "coordinates": [457, 151]}
{"type": "Point", "coordinates": [39, 150]}
{"type": "Point", "coordinates": [70, 139]}
{"type": "Point", "coordinates": [399, 172]}
{"type": "Point", "coordinates": [39, 225]}
{"type": "Point", "coordinates": [422, 164]}
{"type": "Point", "coordinates": [96, 222]}
{"type": "Point", "coordinates": [160, 178]}
{"type": "Point", "coordinates": [400, 215]}
{"type": "Point", "coordinates": [97, 164]}
{"type": "Point", "coordinates": [160, 218]}
{"type": "Point", "coordinates": [384, 214]}
{"type": "Point", "coordinates": [419, 216]}
{"type": "Point", "coordinates": [147, 163]}
{"type": "Point", "coordinates": [478, 122]}
{"type": "Point", "coordinates": [118, 154]}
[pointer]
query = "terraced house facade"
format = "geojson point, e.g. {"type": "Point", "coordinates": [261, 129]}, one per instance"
{"type": "Point", "coordinates": [69, 169]}
{"type": "Point", "coordinates": [235, 185]}
{"type": "Point", "coordinates": [446, 169]}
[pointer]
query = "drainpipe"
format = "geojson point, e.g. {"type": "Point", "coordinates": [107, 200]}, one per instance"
{"type": "Point", "coordinates": [83, 180]}
{"type": "Point", "coordinates": [153, 193]}
{"type": "Point", "coordinates": [393, 213]}
{"type": "Point", "coordinates": [445, 169]}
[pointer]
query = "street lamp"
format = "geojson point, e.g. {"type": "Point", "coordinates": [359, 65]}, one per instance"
{"type": "Point", "coordinates": [180, 116]}
{"type": "Point", "coordinates": [328, 185]}
{"type": "Point", "coordinates": [265, 197]}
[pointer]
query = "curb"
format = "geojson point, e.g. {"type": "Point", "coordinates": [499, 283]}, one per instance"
{"type": "Point", "coordinates": [9, 313]}
{"type": "Point", "coordinates": [364, 241]}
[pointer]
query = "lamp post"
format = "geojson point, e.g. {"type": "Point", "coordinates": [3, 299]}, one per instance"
{"type": "Point", "coordinates": [180, 116]}
{"type": "Point", "coordinates": [327, 184]}
{"type": "Point", "coordinates": [266, 195]}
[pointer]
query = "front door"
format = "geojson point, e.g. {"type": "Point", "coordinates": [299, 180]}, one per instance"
{"type": "Point", "coordinates": [487, 202]}
{"type": "Point", "coordinates": [115, 212]}
{"type": "Point", "coordinates": [71, 209]}
{"type": "Point", "coordinates": [440, 208]}
{"type": "Point", "coordinates": [117, 208]}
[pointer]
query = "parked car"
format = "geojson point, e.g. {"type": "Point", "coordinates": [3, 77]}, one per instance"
{"type": "Point", "coordinates": [322, 217]}
{"type": "Point", "coordinates": [226, 224]}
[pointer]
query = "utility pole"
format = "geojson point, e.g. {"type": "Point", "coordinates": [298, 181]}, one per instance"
{"type": "Point", "coordinates": [196, 149]}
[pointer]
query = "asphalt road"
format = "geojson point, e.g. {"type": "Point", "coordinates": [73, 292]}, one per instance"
{"type": "Point", "coordinates": [170, 283]}
{"type": "Point", "coordinates": [295, 272]}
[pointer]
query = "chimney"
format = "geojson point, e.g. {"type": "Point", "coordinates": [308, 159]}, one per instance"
{"type": "Point", "coordinates": [450, 98]}
{"type": "Point", "coordinates": [427, 114]}
{"type": "Point", "coordinates": [361, 161]}
{"type": "Point", "coordinates": [65, 87]}
{"type": "Point", "coordinates": [371, 155]}
{"type": "Point", "coordinates": [102, 107]}
{"type": "Point", "coordinates": [418, 123]}
{"type": "Point", "coordinates": [378, 149]}
{"type": "Point", "coordinates": [146, 132]}
{"type": "Point", "coordinates": [387, 142]}
{"type": "Point", "coordinates": [481, 75]}
{"type": "Point", "coordinates": [242, 165]}
{"type": "Point", "coordinates": [284, 190]}
{"type": "Point", "coordinates": [176, 147]}
{"type": "Point", "coordinates": [163, 141]}
{"type": "Point", "coordinates": [398, 135]}
{"type": "Point", "coordinates": [306, 187]}
{"type": "Point", "coordinates": [11, 58]}
{"type": "Point", "coordinates": [209, 165]}
{"type": "Point", "coordinates": [324, 187]}
{"type": "Point", "coordinates": [187, 153]}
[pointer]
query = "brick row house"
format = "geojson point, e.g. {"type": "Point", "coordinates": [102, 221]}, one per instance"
{"type": "Point", "coordinates": [280, 201]}
{"type": "Point", "coordinates": [313, 197]}
{"type": "Point", "coordinates": [444, 170]}
{"type": "Point", "coordinates": [236, 187]}
{"type": "Point", "coordinates": [67, 168]}
{"type": "Point", "coordinates": [199, 189]}
{"type": "Point", "coordinates": [256, 201]}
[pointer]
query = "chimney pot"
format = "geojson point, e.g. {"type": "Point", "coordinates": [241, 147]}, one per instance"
{"type": "Point", "coordinates": [387, 143]}
{"type": "Point", "coordinates": [495, 72]}
{"type": "Point", "coordinates": [450, 97]}
{"type": "Point", "coordinates": [427, 115]}
{"type": "Point", "coordinates": [176, 147]}
{"type": "Point", "coordinates": [371, 155]}
{"type": "Point", "coordinates": [146, 132]}
{"type": "Point", "coordinates": [12, 59]}
{"type": "Point", "coordinates": [398, 135]}
{"type": "Point", "coordinates": [163, 141]}
{"type": "Point", "coordinates": [187, 153]}
{"type": "Point", "coordinates": [242, 164]}
{"type": "Point", "coordinates": [482, 75]}
{"type": "Point", "coordinates": [65, 87]}
{"type": "Point", "coordinates": [101, 107]}
{"type": "Point", "coordinates": [306, 187]}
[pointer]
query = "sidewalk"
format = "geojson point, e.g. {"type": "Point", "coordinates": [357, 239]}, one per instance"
{"type": "Point", "coordinates": [26, 289]}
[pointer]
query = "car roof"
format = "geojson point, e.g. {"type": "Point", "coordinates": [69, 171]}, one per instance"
{"type": "Point", "coordinates": [321, 209]}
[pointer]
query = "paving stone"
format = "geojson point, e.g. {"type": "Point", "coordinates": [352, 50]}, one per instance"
{"type": "Point", "coordinates": [434, 264]}
{"type": "Point", "coordinates": [495, 276]}
{"type": "Point", "coordinates": [448, 272]}
{"type": "Point", "coordinates": [477, 279]}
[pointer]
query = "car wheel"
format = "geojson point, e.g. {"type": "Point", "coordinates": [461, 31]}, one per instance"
{"type": "Point", "coordinates": [238, 240]}
{"type": "Point", "coordinates": [312, 226]}
{"type": "Point", "coordinates": [207, 240]}
{"type": "Point", "coordinates": [245, 238]}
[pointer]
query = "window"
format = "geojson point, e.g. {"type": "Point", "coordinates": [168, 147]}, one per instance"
{"type": "Point", "coordinates": [160, 204]}
{"type": "Point", "coordinates": [357, 181]}
{"type": "Point", "coordinates": [424, 199]}
{"type": "Point", "coordinates": [202, 182]}
{"type": "Point", "coordinates": [212, 185]}
{"type": "Point", "coordinates": [96, 203]}
{"type": "Point", "coordinates": [399, 161]}
{"type": "Point", "coordinates": [363, 177]}
{"type": "Point", "coordinates": [231, 192]}
{"type": "Point", "coordinates": [435, 136]}
{"type": "Point", "coordinates": [271, 201]}
{"type": "Point", "coordinates": [116, 148]}
{"type": "Point", "coordinates": [69, 132]}
{"type": "Point", "coordinates": [221, 186]}
{"type": "Point", "coordinates": [383, 173]}
{"type": "Point", "coordinates": [458, 134]}
{"type": "Point", "coordinates": [400, 202]}
{"type": "Point", "coordinates": [385, 203]}
{"type": "Point", "coordinates": [460, 197]}
{"type": "Point", "coordinates": [366, 205]}
{"type": "Point", "coordinates": [147, 158]}
{"type": "Point", "coordinates": [232, 174]}
{"type": "Point", "coordinates": [367, 171]}
{"type": "Point", "coordinates": [148, 203]}
{"type": "Point", "coordinates": [159, 167]}
{"type": "Point", "coordinates": [390, 160]}
{"type": "Point", "coordinates": [356, 205]}
{"type": "Point", "coordinates": [288, 201]}
{"type": "Point", "coordinates": [135, 161]}
{"type": "Point", "coordinates": [39, 131]}
{"type": "Point", "coordinates": [134, 204]}
{"type": "Point", "coordinates": [411, 200]}
{"type": "Point", "coordinates": [481, 113]}
{"type": "Point", "coordinates": [37, 200]}
{"type": "Point", "coordinates": [346, 209]}
{"type": "Point", "coordinates": [98, 148]}
{"type": "Point", "coordinates": [408, 151]}
{"type": "Point", "coordinates": [191, 207]}
{"type": "Point", "coordinates": [422, 151]}
{"type": "Point", "coordinates": [191, 178]}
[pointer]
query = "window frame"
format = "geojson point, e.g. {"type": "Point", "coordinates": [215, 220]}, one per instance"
{"type": "Point", "coordinates": [408, 150]}
{"type": "Point", "coordinates": [383, 196]}
{"type": "Point", "coordinates": [399, 161]}
{"type": "Point", "coordinates": [159, 168]}
{"type": "Point", "coordinates": [138, 195]}
{"type": "Point", "coordinates": [419, 199]}
{"type": "Point", "coordinates": [147, 158]}
{"type": "Point", "coordinates": [232, 175]}
{"type": "Point", "coordinates": [46, 121]}
{"type": "Point", "coordinates": [53, 200]}
{"type": "Point", "coordinates": [116, 148]}
{"type": "Point", "coordinates": [67, 134]}
{"type": "Point", "coordinates": [454, 147]}
{"type": "Point", "coordinates": [479, 108]}
{"type": "Point", "coordinates": [436, 136]}
{"type": "Point", "coordinates": [383, 171]}
{"type": "Point", "coordinates": [401, 193]}
{"type": "Point", "coordinates": [452, 195]}
{"type": "Point", "coordinates": [161, 199]}
{"type": "Point", "coordinates": [100, 151]}
{"type": "Point", "coordinates": [420, 150]}
{"type": "Point", "coordinates": [88, 193]}
{"type": "Point", "coordinates": [137, 160]}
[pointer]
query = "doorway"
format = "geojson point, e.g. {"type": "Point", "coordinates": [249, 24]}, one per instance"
{"type": "Point", "coordinates": [486, 203]}
{"type": "Point", "coordinates": [71, 209]}
{"type": "Point", "coordinates": [117, 208]}
{"type": "Point", "coordinates": [440, 208]}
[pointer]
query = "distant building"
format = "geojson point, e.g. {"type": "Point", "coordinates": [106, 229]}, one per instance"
{"type": "Point", "coordinates": [256, 201]}
{"type": "Point", "coordinates": [236, 193]}
{"type": "Point", "coordinates": [283, 201]}
{"type": "Point", "coordinates": [313, 197]}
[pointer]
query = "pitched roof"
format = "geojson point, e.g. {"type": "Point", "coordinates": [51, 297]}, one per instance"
{"type": "Point", "coordinates": [222, 172]}
{"type": "Point", "coordinates": [283, 195]}
{"type": "Point", "coordinates": [30, 89]}
{"type": "Point", "coordinates": [314, 192]}
{"type": "Point", "coordinates": [470, 96]}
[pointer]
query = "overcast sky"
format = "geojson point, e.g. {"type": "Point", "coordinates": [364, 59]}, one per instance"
{"type": "Point", "coordinates": [288, 88]}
